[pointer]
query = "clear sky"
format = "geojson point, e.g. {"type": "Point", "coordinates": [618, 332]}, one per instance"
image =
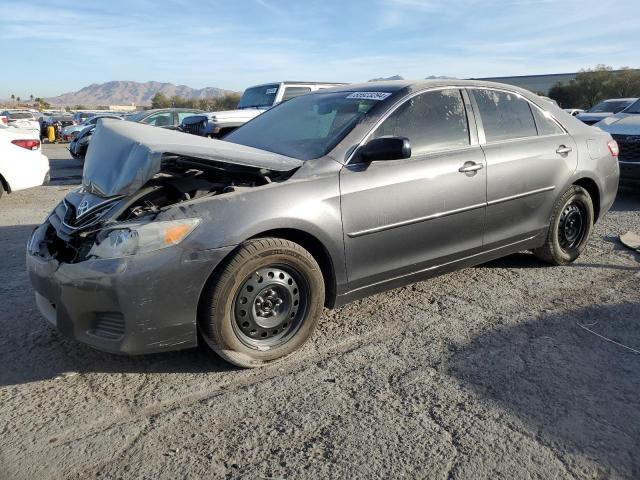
{"type": "Point", "coordinates": [51, 47]}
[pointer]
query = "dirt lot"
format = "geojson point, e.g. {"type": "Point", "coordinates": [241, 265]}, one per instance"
{"type": "Point", "coordinates": [483, 373]}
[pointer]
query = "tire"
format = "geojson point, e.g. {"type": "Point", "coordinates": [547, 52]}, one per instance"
{"type": "Point", "coordinates": [569, 228]}
{"type": "Point", "coordinates": [282, 287]}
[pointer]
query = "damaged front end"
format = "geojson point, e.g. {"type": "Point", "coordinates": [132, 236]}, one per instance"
{"type": "Point", "coordinates": [109, 268]}
{"type": "Point", "coordinates": [134, 171]}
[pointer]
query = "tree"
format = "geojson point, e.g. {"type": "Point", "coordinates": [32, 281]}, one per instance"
{"type": "Point", "coordinates": [13, 97]}
{"type": "Point", "coordinates": [17, 99]}
{"type": "Point", "coordinates": [160, 100]}
{"type": "Point", "coordinates": [31, 97]}
{"type": "Point", "coordinates": [591, 86]}
{"type": "Point", "coordinates": [625, 83]}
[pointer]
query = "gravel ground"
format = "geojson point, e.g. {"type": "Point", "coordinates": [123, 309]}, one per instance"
{"type": "Point", "coordinates": [488, 372]}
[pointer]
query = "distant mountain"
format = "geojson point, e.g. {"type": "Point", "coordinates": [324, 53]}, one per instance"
{"type": "Point", "coordinates": [394, 77]}
{"type": "Point", "coordinates": [439, 77]}
{"type": "Point", "coordinates": [127, 92]}
{"type": "Point", "coordinates": [398, 77]}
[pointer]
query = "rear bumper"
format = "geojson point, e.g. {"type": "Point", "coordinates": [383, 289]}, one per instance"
{"type": "Point", "coordinates": [133, 305]}
{"type": "Point", "coordinates": [35, 172]}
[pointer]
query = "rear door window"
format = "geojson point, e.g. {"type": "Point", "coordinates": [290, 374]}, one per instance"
{"type": "Point", "coordinates": [432, 121]}
{"type": "Point", "coordinates": [505, 116]}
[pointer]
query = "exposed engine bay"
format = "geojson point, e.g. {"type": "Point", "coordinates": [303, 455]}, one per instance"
{"type": "Point", "coordinates": [73, 227]}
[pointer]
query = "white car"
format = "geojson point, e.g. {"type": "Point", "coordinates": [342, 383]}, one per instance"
{"type": "Point", "coordinates": [22, 164]}
{"type": "Point", "coordinates": [22, 119]}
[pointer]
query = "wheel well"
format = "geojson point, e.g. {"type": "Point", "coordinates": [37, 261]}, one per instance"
{"type": "Point", "coordinates": [591, 187]}
{"type": "Point", "coordinates": [317, 250]}
{"type": "Point", "coordinates": [4, 185]}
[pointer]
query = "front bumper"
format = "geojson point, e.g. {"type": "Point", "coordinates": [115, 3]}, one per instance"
{"type": "Point", "coordinates": [134, 305]}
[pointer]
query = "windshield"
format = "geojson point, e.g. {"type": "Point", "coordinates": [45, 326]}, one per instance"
{"type": "Point", "coordinates": [304, 127]}
{"type": "Point", "coordinates": [20, 115]}
{"type": "Point", "coordinates": [633, 108]}
{"type": "Point", "coordinates": [257, 97]}
{"type": "Point", "coordinates": [610, 106]}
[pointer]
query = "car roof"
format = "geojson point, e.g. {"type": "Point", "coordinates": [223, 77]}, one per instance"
{"type": "Point", "coordinates": [292, 82]}
{"type": "Point", "coordinates": [392, 86]}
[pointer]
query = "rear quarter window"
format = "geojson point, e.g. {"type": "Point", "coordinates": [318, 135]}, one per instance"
{"type": "Point", "coordinates": [545, 126]}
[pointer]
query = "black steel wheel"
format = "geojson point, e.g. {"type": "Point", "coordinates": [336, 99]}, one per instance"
{"type": "Point", "coordinates": [262, 303]}
{"type": "Point", "coordinates": [569, 227]}
{"type": "Point", "coordinates": [270, 306]}
{"type": "Point", "coordinates": [572, 226]}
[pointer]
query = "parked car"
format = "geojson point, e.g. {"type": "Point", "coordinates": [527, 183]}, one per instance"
{"type": "Point", "coordinates": [22, 119]}
{"type": "Point", "coordinates": [80, 143]}
{"type": "Point", "coordinates": [321, 200]}
{"type": "Point", "coordinates": [70, 132]}
{"type": "Point", "coordinates": [168, 118]}
{"type": "Point", "coordinates": [624, 127]}
{"type": "Point", "coordinates": [573, 111]}
{"type": "Point", "coordinates": [604, 109]}
{"type": "Point", "coordinates": [81, 117]}
{"type": "Point", "coordinates": [254, 101]}
{"type": "Point", "coordinates": [22, 164]}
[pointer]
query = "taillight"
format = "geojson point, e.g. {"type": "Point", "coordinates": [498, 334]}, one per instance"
{"type": "Point", "coordinates": [28, 144]}
{"type": "Point", "coordinates": [613, 148]}
{"type": "Point", "coordinates": [4, 120]}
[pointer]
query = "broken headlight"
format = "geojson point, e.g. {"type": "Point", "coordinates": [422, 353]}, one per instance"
{"type": "Point", "coordinates": [135, 239]}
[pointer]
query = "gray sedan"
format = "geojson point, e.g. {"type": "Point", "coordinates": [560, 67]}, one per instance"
{"type": "Point", "coordinates": [319, 201]}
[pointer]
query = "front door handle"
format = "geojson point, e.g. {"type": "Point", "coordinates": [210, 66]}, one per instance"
{"type": "Point", "coordinates": [562, 150]}
{"type": "Point", "coordinates": [470, 167]}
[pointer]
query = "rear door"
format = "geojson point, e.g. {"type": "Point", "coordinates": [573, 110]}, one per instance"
{"type": "Point", "coordinates": [529, 159]}
{"type": "Point", "coordinates": [406, 216]}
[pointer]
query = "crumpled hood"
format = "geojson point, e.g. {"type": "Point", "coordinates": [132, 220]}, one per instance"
{"type": "Point", "coordinates": [624, 125]}
{"type": "Point", "coordinates": [123, 156]}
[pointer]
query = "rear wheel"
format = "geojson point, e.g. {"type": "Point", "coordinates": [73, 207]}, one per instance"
{"type": "Point", "coordinates": [569, 229]}
{"type": "Point", "coordinates": [263, 304]}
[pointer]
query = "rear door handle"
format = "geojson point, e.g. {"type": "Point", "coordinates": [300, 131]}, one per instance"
{"type": "Point", "coordinates": [470, 167]}
{"type": "Point", "coordinates": [562, 150]}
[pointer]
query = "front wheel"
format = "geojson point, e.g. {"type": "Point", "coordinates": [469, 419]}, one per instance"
{"type": "Point", "coordinates": [263, 304]}
{"type": "Point", "coordinates": [569, 229]}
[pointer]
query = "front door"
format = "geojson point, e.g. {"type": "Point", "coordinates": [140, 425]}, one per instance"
{"type": "Point", "coordinates": [404, 216]}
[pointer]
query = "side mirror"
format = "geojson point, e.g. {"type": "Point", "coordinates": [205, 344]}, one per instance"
{"type": "Point", "coordinates": [386, 148]}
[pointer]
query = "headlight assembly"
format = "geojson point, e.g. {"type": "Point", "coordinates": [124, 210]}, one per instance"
{"type": "Point", "coordinates": [134, 239]}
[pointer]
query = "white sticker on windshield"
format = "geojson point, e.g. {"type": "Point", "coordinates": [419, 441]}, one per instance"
{"type": "Point", "coordinates": [369, 95]}
{"type": "Point", "coordinates": [271, 91]}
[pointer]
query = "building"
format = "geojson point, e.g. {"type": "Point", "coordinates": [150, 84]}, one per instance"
{"type": "Point", "coordinates": [535, 83]}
